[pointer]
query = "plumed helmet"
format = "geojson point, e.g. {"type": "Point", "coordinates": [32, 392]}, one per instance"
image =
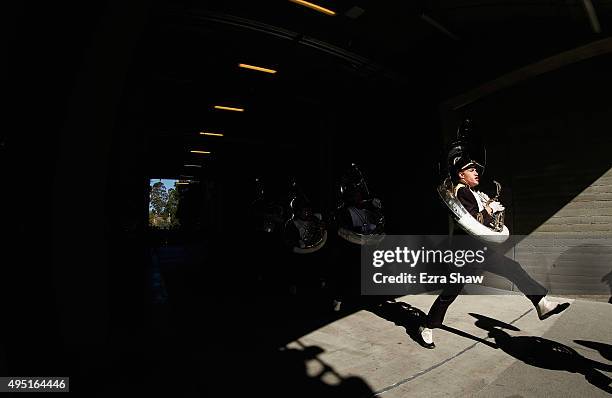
{"type": "Point", "coordinates": [460, 152]}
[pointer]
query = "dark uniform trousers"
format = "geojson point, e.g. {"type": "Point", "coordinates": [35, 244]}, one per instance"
{"type": "Point", "coordinates": [495, 263]}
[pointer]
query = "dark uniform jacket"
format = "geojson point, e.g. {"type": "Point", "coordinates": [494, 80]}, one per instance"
{"type": "Point", "coordinates": [467, 199]}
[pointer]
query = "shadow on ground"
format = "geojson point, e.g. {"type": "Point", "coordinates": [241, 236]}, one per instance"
{"type": "Point", "coordinates": [301, 373]}
{"type": "Point", "coordinates": [411, 318]}
{"type": "Point", "coordinates": [532, 350]}
{"type": "Point", "coordinates": [607, 279]}
{"type": "Point", "coordinates": [546, 354]}
{"type": "Point", "coordinates": [402, 314]}
{"type": "Point", "coordinates": [605, 350]}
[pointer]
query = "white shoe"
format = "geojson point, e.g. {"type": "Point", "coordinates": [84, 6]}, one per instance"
{"type": "Point", "coordinates": [547, 308]}
{"type": "Point", "coordinates": [426, 337]}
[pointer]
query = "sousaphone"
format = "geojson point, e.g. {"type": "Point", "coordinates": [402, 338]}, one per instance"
{"type": "Point", "coordinates": [462, 147]}
{"type": "Point", "coordinates": [304, 231]}
{"type": "Point", "coordinates": [359, 214]}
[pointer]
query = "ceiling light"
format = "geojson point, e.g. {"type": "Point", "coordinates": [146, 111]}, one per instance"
{"type": "Point", "coordinates": [314, 7]}
{"type": "Point", "coordinates": [213, 134]}
{"type": "Point", "coordinates": [228, 108]}
{"type": "Point", "coordinates": [192, 165]}
{"type": "Point", "coordinates": [257, 68]}
{"type": "Point", "coordinates": [204, 152]}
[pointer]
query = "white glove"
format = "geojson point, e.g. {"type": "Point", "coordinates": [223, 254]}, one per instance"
{"type": "Point", "coordinates": [496, 206]}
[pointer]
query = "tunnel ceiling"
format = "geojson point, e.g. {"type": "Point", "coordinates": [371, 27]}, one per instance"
{"type": "Point", "coordinates": [188, 60]}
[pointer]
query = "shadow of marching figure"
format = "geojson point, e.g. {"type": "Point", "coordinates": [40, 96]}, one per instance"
{"type": "Point", "coordinates": [607, 278]}
{"type": "Point", "coordinates": [544, 353]}
{"type": "Point", "coordinates": [298, 372]}
{"type": "Point", "coordinates": [605, 350]}
{"type": "Point", "coordinates": [401, 314]}
{"type": "Point", "coordinates": [411, 318]}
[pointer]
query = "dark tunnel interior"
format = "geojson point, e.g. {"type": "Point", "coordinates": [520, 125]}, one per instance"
{"type": "Point", "coordinates": [104, 97]}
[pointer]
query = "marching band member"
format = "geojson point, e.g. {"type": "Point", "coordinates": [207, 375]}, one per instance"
{"type": "Point", "coordinates": [466, 176]}
{"type": "Point", "coordinates": [360, 220]}
{"type": "Point", "coordinates": [477, 203]}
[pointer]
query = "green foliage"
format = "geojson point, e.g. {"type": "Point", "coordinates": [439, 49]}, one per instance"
{"type": "Point", "coordinates": [159, 198]}
{"type": "Point", "coordinates": [163, 207]}
{"type": "Point", "coordinates": [171, 207]}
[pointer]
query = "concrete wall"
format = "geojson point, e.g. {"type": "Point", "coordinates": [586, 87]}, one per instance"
{"type": "Point", "coordinates": [549, 144]}
{"type": "Point", "coordinates": [571, 252]}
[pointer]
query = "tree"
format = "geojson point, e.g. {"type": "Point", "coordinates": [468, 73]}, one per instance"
{"type": "Point", "coordinates": [159, 198]}
{"type": "Point", "coordinates": [171, 207]}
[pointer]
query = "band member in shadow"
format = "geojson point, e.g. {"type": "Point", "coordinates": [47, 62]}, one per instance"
{"type": "Point", "coordinates": [544, 353]}
{"type": "Point", "coordinates": [359, 220]}
{"type": "Point", "coordinates": [466, 179]}
{"type": "Point", "coordinates": [264, 247]}
{"type": "Point", "coordinates": [304, 236]}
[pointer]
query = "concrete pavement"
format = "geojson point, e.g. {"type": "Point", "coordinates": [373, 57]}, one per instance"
{"type": "Point", "coordinates": [493, 345]}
